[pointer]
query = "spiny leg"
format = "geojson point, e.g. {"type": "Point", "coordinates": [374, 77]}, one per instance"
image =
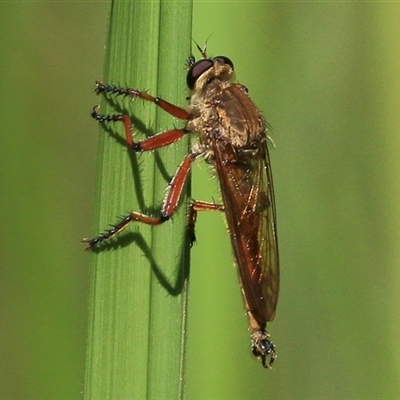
{"type": "Point", "coordinates": [175, 111]}
{"type": "Point", "coordinates": [162, 139]}
{"type": "Point", "coordinates": [170, 203]}
{"type": "Point", "coordinates": [154, 142]}
{"type": "Point", "coordinates": [175, 188]}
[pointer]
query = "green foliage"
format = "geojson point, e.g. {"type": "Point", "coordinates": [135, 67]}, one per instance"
{"type": "Point", "coordinates": [138, 304]}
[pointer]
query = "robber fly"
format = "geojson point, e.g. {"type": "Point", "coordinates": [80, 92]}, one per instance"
{"type": "Point", "coordinates": [233, 139]}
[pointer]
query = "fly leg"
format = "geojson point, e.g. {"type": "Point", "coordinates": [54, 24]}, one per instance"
{"type": "Point", "coordinates": [175, 111]}
{"type": "Point", "coordinates": [159, 140]}
{"type": "Point", "coordinates": [166, 138]}
{"type": "Point", "coordinates": [154, 142]}
{"type": "Point", "coordinates": [169, 205]}
{"type": "Point", "coordinates": [199, 206]}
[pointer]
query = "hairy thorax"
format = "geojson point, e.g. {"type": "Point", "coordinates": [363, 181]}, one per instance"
{"type": "Point", "coordinates": [224, 112]}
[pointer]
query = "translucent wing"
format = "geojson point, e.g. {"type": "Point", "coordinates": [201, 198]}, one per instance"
{"type": "Point", "coordinates": [247, 192]}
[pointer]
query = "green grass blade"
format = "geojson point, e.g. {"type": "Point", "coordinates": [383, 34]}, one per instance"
{"type": "Point", "coordinates": [138, 302]}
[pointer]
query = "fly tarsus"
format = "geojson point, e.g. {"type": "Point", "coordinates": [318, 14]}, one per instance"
{"type": "Point", "coordinates": [105, 118]}
{"type": "Point", "coordinates": [113, 89]}
{"type": "Point", "coordinates": [120, 226]}
{"type": "Point", "coordinates": [107, 234]}
{"type": "Point", "coordinates": [172, 109]}
{"type": "Point", "coordinates": [191, 234]}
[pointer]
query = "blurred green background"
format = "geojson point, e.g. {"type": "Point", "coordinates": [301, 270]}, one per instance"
{"type": "Point", "coordinates": [327, 77]}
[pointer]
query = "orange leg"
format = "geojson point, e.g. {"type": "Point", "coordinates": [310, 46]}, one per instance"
{"type": "Point", "coordinates": [176, 185]}
{"type": "Point", "coordinates": [176, 111]}
{"type": "Point", "coordinates": [154, 142]}
{"type": "Point", "coordinates": [170, 203]}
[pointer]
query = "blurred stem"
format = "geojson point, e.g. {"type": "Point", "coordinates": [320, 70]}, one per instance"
{"type": "Point", "coordinates": [136, 341]}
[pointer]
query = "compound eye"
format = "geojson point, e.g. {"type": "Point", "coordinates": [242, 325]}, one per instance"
{"type": "Point", "coordinates": [224, 60]}
{"type": "Point", "coordinates": [196, 70]}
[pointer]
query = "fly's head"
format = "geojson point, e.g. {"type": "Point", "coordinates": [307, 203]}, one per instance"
{"type": "Point", "coordinates": [263, 348]}
{"type": "Point", "coordinates": [201, 74]}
